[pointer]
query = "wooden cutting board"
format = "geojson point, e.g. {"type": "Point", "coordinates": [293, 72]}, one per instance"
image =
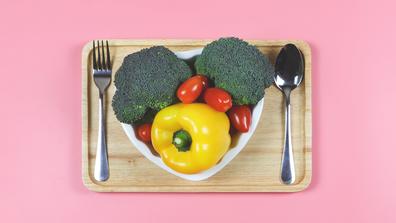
{"type": "Point", "coordinates": [255, 169]}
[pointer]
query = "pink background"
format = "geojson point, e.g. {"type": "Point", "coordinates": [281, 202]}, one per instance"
{"type": "Point", "coordinates": [353, 46]}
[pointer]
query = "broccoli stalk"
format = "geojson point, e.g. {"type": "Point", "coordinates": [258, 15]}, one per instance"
{"type": "Point", "coordinates": [147, 82]}
{"type": "Point", "coordinates": [237, 67]}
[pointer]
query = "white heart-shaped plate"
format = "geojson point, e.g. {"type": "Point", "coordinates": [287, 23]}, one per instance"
{"type": "Point", "coordinates": [239, 141]}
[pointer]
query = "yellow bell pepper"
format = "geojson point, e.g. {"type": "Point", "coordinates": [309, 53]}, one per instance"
{"type": "Point", "coordinates": [190, 138]}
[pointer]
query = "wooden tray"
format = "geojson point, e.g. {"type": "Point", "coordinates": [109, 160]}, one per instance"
{"type": "Point", "coordinates": [255, 169]}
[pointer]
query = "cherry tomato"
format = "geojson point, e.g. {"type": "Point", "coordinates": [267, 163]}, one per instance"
{"type": "Point", "coordinates": [144, 132]}
{"type": "Point", "coordinates": [218, 99]}
{"type": "Point", "coordinates": [190, 90]}
{"type": "Point", "coordinates": [240, 117]}
{"type": "Point", "coordinates": [205, 82]}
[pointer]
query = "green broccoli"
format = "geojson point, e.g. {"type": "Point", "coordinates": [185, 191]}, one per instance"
{"type": "Point", "coordinates": [237, 67]}
{"type": "Point", "coordinates": [146, 83]}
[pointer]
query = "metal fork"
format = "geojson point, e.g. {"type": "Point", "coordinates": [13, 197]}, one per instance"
{"type": "Point", "coordinates": [101, 69]}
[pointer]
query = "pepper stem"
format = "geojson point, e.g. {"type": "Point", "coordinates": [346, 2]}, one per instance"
{"type": "Point", "coordinates": [182, 140]}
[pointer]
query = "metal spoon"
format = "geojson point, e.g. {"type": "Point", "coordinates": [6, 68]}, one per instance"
{"type": "Point", "coordinates": [289, 72]}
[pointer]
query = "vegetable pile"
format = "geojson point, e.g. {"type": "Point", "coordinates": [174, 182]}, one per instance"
{"type": "Point", "coordinates": [186, 117]}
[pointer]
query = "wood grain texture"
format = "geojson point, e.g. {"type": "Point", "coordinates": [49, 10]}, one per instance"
{"type": "Point", "coordinates": [255, 169]}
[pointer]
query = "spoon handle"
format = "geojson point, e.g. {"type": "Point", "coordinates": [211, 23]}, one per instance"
{"type": "Point", "coordinates": [288, 173]}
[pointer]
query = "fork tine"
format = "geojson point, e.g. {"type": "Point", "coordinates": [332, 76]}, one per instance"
{"type": "Point", "coordinates": [103, 57]}
{"type": "Point", "coordinates": [94, 56]}
{"type": "Point", "coordinates": [99, 62]}
{"type": "Point", "coordinates": [108, 56]}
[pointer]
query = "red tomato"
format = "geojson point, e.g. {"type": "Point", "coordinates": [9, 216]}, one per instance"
{"type": "Point", "coordinates": [218, 99]}
{"type": "Point", "coordinates": [144, 132]}
{"type": "Point", "coordinates": [205, 82]}
{"type": "Point", "coordinates": [240, 117]}
{"type": "Point", "coordinates": [190, 90]}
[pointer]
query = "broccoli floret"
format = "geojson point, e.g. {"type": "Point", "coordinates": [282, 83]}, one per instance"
{"type": "Point", "coordinates": [237, 67]}
{"type": "Point", "coordinates": [146, 83]}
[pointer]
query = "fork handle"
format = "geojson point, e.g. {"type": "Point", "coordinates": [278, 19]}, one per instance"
{"type": "Point", "coordinates": [288, 173]}
{"type": "Point", "coordinates": [101, 172]}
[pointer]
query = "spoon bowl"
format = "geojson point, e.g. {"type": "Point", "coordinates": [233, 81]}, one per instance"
{"type": "Point", "coordinates": [289, 68]}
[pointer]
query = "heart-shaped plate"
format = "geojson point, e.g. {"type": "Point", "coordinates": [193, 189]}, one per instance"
{"type": "Point", "coordinates": [238, 142]}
